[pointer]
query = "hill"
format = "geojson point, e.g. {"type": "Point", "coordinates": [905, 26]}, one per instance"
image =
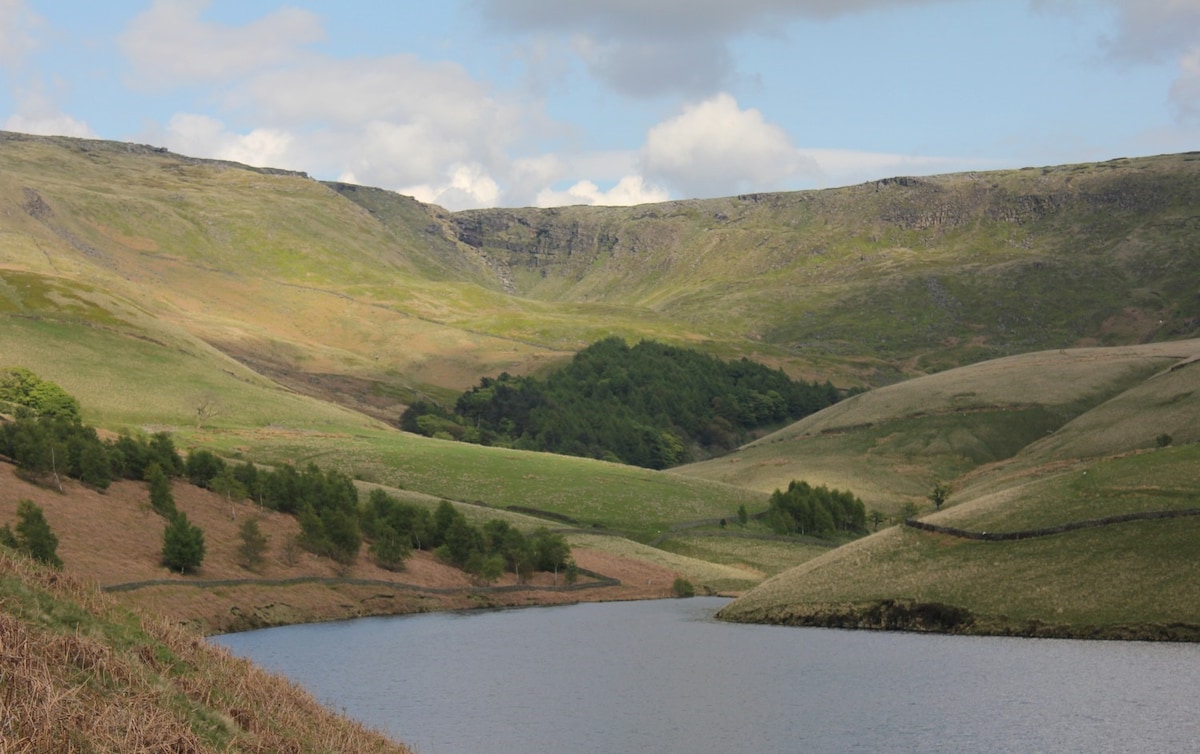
{"type": "Point", "coordinates": [1058, 534]}
{"type": "Point", "coordinates": [890, 445]}
{"type": "Point", "coordinates": [371, 299]}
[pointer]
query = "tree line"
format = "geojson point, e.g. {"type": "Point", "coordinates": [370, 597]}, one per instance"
{"type": "Point", "coordinates": [49, 445]}
{"type": "Point", "coordinates": [651, 405]}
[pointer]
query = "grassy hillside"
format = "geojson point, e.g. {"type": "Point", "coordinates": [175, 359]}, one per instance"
{"type": "Point", "coordinates": [1100, 459]}
{"type": "Point", "coordinates": [84, 673]}
{"type": "Point", "coordinates": [892, 444]}
{"type": "Point", "coordinates": [915, 274]}
{"type": "Point", "coordinates": [371, 298]}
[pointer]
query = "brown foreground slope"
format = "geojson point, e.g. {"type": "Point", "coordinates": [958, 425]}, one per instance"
{"type": "Point", "coordinates": [81, 673]}
{"type": "Point", "coordinates": [114, 539]}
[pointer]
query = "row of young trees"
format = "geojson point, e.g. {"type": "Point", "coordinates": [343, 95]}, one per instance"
{"type": "Point", "coordinates": [334, 525]}
{"type": "Point", "coordinates": [49, 444]}
{"type": "Point", "coordinates": [396, 528]}
{"type": "Point", "coordinates": [650, 405]}
{"type": "Point", "coordinates": [817, 511]}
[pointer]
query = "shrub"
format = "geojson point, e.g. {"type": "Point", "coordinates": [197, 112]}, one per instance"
{"type": "Point", "coordinates": [683, 588]}
{"type": "Point", "coordinates": [33, 536]}
{"type": "Point", "coordinates": [253, 544]}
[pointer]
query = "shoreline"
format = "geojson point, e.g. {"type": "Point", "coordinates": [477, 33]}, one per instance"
{"type": "Point", "coordinates": [906, 616]}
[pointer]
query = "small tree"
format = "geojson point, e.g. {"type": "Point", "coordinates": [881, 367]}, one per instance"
{"type": "Point", "coordinates": [939, 494]}
{"type": "Point", "coordinates": [1163, 440]}
{"type": "Point", "coordinates": [253, 543]}
{"type": "Point", "coordinates": [876, 519]}
{"type": "Point", "coordinates": [742, 515]}
{"type": "Point", "coordinates": [183, 545]}
{"type": "Point", "coordinates": [34, 536]}
{"type": "Point", "coordinates": [908, 510]}
{"type": "Point", "coordinates": [388, 548]}
{"type": "Point", "coordinates": [683, 588]}
{"type": "Point", "coordinates": [206, 408]}
{"type": "Point", "coordinates": [161, 499]}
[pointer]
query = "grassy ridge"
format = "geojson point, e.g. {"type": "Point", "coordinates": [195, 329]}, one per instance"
{"type": "Point", "coordinates": [892, 444]}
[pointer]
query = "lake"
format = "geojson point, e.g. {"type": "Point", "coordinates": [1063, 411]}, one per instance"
{"type": "Point", "coordinates": [663, 676]}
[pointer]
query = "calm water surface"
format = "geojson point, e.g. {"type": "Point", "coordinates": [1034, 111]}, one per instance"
{"type": "Point", "coordinates": [662, 676]}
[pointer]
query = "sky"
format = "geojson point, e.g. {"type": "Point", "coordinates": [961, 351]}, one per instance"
{"type": "Point", "coordinates": [481, 103]}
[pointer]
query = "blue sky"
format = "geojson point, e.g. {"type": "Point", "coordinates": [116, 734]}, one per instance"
{"type": "Point", "coordinates": [472, 103]}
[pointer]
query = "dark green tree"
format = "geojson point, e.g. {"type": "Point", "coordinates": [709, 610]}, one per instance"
{"type": "Point", "coordinates": [550, 551]}
{"type": "Point", "coordinates": [161, 498]}
{"type": "Point", "coordinates": [486, 568]}
{"type": "Point", "coordinates": [162, 451]}
{"type": "Point", "coordinates": [183, 545]}
{"type": "Point", "coordinates": [443, 517]}
{"type": "Point", "coordinates": [227, 485]}
{"type": "Point", "coordinates": [742, 516]}
{"type": "Point", "coordinates": [94, 468]}
{"type": "Point", "coordinates": [938, 495]}
{"type": "Point", "coordinates": [461, 540]}
{"type": "Point", "coordinates": [34, 536]}
{"type": "Point", "coordinates": [252, 546]}
{"type": "Point", "coordinates": [202, 467]}
{"type": "Point", "coordinates": [876, 519]}
{"type": "Point", "coordinates": [389, 548]}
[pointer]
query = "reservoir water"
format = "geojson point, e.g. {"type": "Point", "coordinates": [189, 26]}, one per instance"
{"type": "Point", "coordinates": [663, 676]}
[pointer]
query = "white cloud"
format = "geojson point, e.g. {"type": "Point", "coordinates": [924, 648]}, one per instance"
{"type": "Point", "coordinates": [631, 189]}
{"type": "Point", "coordinates": [466, 186]}
{"type": "Point", "coordinates": [170, 43]}
{"type": "Point", "coordinates": [392, 121]}
{"type": "Point", "coordinates": [38, 113]}
{"type": "Point", "coordinates": [715, 148]}
{"type": "Point", "coordinates": [203, 135]}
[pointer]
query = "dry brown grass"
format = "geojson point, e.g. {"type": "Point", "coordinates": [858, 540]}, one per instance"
{"type": "Point", "coordinates": [115, 538]}
{"type": "Point", "coordinates": [78, 673]}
